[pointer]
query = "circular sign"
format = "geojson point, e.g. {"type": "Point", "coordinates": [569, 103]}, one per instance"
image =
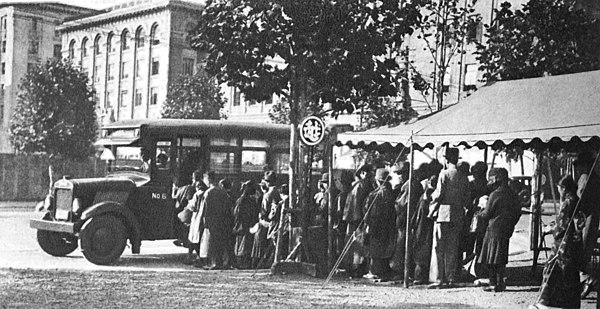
{"type": "Point", "coordinates": [312, 130]}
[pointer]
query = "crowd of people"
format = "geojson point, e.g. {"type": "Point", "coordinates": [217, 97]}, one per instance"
{"type": "Point", "coordinates": [222, 231]}
{"type": "Point", "coordinates": [445, 208]}
{"type": "Point", "coordinates": [459, 215]}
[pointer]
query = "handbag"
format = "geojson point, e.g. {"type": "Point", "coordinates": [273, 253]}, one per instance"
{"type": "Point", "coordinates": [477, 223]}
{"type": "Point", "coordinates": [185, 216]}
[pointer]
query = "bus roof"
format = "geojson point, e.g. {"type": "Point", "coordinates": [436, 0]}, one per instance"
{"type": "Point", "coordinates": [161, 127]}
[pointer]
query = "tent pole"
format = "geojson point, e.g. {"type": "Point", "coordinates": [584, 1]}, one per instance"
{"type": "Point", "coordinates": [534, 221]}
{"type": "Point", "coordinates": [331, 197]}
{"type": "Point", "coordinates": [408, 239]}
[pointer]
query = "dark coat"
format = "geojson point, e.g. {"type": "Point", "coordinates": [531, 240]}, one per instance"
{"type": "Point", "coordinates": [502, 212]}
{"type": "Point", "coordinates": [356, 200]}
{"type": "Point", "coordinates": [381, 222]}
{"type": "Point", "coordinates": [245, 216]}
{"type": "Point", "coordinates": [402, 201]}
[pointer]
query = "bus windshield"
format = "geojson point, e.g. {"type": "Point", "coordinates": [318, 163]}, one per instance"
{"type": "Point", "coordinates": [129, 158]}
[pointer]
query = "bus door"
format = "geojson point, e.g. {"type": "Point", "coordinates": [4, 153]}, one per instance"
{"type": "Point", "coordinates": [157, 207]}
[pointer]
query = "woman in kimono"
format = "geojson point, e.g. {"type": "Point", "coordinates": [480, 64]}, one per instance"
{"type": "Point", "coordinates": [560, 285]}
{"type": "Point", "coordinates": [245, 215]}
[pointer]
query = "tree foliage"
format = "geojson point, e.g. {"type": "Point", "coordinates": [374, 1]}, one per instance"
{"type": "Point", "coordinates": [444, 29]}
{"type": "Point", "coordinates": [194, 97]}
{"type": "Point", "coordinates": [306, 51]}
{"type": "Point", "coordinates": [55, 112]}
{"type": "Point", "coordinates": [545, 37]}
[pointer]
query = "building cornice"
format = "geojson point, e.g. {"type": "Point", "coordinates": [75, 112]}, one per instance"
{"type": "Point", "coordinates": [51, 7]}
{"type": "Point", "coordinates": [107, 17]}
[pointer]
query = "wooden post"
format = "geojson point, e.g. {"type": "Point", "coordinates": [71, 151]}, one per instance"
{"type": "Point", "coordinates": [408, 239]}
{"type": "Point", "coordinates": [534, 221]}
{"type": "Point", "coordinates": [330, 210]}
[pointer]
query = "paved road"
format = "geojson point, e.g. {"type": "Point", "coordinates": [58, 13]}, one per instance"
{"type": "Point", "coordinates": [20, 249]}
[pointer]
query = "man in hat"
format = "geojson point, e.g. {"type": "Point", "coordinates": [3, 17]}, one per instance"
{"type": "Point", "coordinates": [588, 191]}
{"type": "Point", "coordinates": [451, 196]}
{"type": "Point", "coordinates": [410, 192]}
{"type": "Point", "coordinates": [380, 219]}
{"type": "Point", "coordinates": [354, 211]}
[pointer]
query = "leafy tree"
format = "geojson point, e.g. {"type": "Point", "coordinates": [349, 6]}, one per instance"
{"type": "Point", "coordinates": [194, 97]}
{"type": "Point", "coordinates": [444, 29]}
{"type": "Point", "coordinates": [545, 37]}
{"type": "Point", "coordinates": [55, 112]}
{"type": "Point", "coordinates": [309, 52]}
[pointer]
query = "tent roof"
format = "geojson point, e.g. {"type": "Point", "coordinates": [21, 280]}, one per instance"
{"type": "Point", "coordinates": [538, 112]}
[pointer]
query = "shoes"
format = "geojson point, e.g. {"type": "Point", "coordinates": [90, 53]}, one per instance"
{"type": "Point", "coordinates": [190, 260]}
{"type": "Point", "coordinates": [370, 276]}
{"type": "Point", "coordinates": [450, 284]}
{"type": "Point", "coordinates": [490, 288]}
{"type": "Point", "coordinates": [436, 286]}
{"type": "Point", "coordinates": [419, 282]}
{"type": "Point", "coordinates": [178, 243]}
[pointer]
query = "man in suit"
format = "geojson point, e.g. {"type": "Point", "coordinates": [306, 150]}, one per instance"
{"type": "Point", "coordinates": [452, 196]}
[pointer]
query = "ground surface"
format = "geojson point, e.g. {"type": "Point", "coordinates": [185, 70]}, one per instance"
{"type": "Point", "coordinates": [156, 279]}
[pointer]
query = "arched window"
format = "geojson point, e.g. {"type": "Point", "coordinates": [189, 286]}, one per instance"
{"type": "Point", "coordinates": [140, 37]}
{"type": "Point", "coordinates": [97, 49]}
{"type": "Point", "coordinates": [154, 38]}
{"type": "Point", "coordinates": [125, 40]}
{"type": "Point", "coordinates": [109, 43]}
{"type": "Point", "coordinates": [72, 49]}
{"type": "Point", "coordinates": [84, 48]}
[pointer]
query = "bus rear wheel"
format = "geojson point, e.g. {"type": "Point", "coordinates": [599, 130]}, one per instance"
{"type": "Point", "coordinates": [56, 243]}
{"type": "Point", "coordinates": [103, 239]}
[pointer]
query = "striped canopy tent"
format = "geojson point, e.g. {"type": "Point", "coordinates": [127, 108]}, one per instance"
{"type": "Point", "coordinates": [547, 112]}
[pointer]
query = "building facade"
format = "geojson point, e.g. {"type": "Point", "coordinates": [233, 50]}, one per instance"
{"type": "Point", "coordinates": [132, 53]}
{"type": "Point", "coordinates": [28, 37]}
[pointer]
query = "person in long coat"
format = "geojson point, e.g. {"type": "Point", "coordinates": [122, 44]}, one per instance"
{"type": "Point", "coordinates": [196, 225]}
{"type": "Point", "coordinates": [423, 233]}
{"type": "Point", "coordinates": [260, 247]}
{"type": "Point", "coordinates": [344, 185]}
{"type": "Point", "coordinates": [560, 284]}
{"type": "Point", "coordinates": [410, 193]}
{"type": "Point", "coordinates": [380, 219]}
{"type": "Point", "coordinates": [182, 195]}
{"type": "Point", "coordinates": [353, 214]}
{"type": "Point", "coordinates": [216, 209]}
{"type": "Point", "coordinates": [245, 214]}
{"type": "Point", "coordinates": [588, 191]}
{"type": "Point", "coordinates": [502, 213]}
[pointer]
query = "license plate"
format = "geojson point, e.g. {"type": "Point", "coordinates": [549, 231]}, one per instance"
{"type": "Point", "coordinates": [62, 214]}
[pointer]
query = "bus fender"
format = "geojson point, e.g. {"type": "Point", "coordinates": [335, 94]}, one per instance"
{"type": "Point", "coordinates": [106, 207]}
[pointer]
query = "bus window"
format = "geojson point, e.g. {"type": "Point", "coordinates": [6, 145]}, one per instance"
{"type": "Point", "coordinates": [129, 158]}
{"type": "Point", "coordinates": [224, 142]}
{"type": "Point", "coordinates": [163, 151]}
{"type": "Point", "coordinates": [257, 143]}
{"type": "Point", "coordinates": [222, 162]}
{"type": "Point", "coordinates": [253, 160]}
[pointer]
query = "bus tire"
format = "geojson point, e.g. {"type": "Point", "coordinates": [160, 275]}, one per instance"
{"type": "Point", "coordinates": [56, 243]}
{"type": "Point", "coordinates": [103, 239]}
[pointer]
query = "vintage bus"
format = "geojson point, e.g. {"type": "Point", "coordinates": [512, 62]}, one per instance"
{"type": "Point", "coordinates": [145, 158]}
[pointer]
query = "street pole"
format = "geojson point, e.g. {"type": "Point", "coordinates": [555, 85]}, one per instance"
{"type": "Point", "coordinates": [408, 239]}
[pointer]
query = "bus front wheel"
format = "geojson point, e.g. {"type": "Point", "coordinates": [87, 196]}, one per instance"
{"type": "Point", "coordinates": [103, 239]}
{"type": "Point", "coordinates": [56, 243]}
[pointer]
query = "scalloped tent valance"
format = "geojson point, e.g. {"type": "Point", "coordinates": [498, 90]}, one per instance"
{"type": "Point", "coordinates": [547, 112]}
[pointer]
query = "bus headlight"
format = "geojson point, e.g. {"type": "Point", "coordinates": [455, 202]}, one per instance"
{"type": "Point", "coordinates": [77, 204]}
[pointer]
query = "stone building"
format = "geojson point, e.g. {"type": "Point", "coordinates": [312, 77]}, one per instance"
{"type": "Point", "coordinates": [132, 53]}
{"type": "Point", "coordinates": [28, 37]}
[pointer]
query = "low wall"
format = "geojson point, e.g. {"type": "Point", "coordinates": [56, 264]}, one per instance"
{"type": "Point", "coordinates": [26, 178]}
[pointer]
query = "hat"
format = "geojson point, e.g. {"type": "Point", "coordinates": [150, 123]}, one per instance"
{"type": "Point", "coordinates": [463, 167]}
{"type": "Point", "coordinates": [479, 168]}
{"type": "Point", "coordinates": [364, 168]}
{"type": "Point", "coordinates": [498, 174]}
{"type": "Point", "coordinates": [248, 187]}
{"type": "Point", "coordinates": [400, 168]}
{"type": "Point", "coordinates": [270, 177]}
{"type": "Point", "coordinates": [381, 174]}
{"type": "Point", "coordinates": [451, 153]}
{"type": "Point", "coordinates": [584, 159]}
{"type": "Point", "coordinates": [324, 177]}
